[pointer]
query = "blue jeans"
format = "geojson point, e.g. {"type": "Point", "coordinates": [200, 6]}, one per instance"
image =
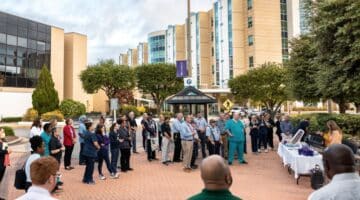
{"type": "Point", "coordinates": [114, 159]}
{"type": "Point", "coordinates": [103, 155]}
{"type": "Point", "coordinates": [89, 169]}
{"type": "Point", "coordinates": [236, 146]}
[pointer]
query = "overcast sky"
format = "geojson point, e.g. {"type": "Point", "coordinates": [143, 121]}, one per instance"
{"type": "Point", "coordinates": [112, 26]}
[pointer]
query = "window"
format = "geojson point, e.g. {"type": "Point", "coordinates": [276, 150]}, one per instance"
{"type": "Point", "coordinates": [40, 46]}
{"type": "Point", "coordinates": [11, 40]}
{"type": "Point", "coordinates": [250, 40]}
{"type": "Point", "coordinates": [11, 51]}
{"type": "Point", "coordinates": [10, 61]}
{"type": "Point", "coordinates": [31, 44]}
{"type": "Point", "coordinates": [2, 60]}
{"type": "Point", "coordinates": [3, 38]}
{"type": "Point", "coordinates": [250, 22]}
{"type": "Point", "coordinates": [249, 4]}
{"type": "Point", "coordinates": [251, 62]}
{"type": "Point", "coordinates": [22, 42]}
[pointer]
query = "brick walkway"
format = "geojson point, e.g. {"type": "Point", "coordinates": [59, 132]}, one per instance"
{"type": "Point", "coordinates": [262, 178]}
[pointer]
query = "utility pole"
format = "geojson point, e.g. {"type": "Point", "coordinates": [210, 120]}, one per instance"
{"type": "Point", "coordinates": [188, 28]}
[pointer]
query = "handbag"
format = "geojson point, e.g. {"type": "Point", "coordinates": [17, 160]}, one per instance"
{"type": "Point", "coordinates": [153, 144]}
{"type": "Point", "coordinates": [20, 178]}
{"type": "Point", "coordinates": [317, 178]}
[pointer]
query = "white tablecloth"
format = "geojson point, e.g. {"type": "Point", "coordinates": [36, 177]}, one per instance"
{"type": "Point", "coordinates": [300, 164]}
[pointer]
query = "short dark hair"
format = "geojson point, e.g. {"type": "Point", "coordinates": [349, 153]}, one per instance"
{"type": "Point", "coordinates": [47, 126]}
{"type": "Point", "coordinates": [98, 129]}
{"type": "Point", "coordinates": [112, 127]}
{"type": "Point", "coordinates": [88, 124]}
{"type": "Point", "coordinates": [36, 123]}
{"type": "Point", "coordinates": [67, 121]}
{"type": "Point", "coordinates": [167, 118]}
{"type": "Point", "coordinates": [36, 142]}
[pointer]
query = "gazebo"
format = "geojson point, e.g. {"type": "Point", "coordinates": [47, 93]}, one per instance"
{"type": "Point", "coordinates": [190, 100]}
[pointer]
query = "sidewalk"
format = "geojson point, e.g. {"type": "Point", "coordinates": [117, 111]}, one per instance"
{"type": "Point", "coordinates": [262, 178]}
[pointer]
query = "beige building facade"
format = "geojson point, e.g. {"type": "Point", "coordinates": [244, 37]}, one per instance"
{"type": "Point", "coordinates": [142, 53]}
{"type": "Point", "coordinates": [132, 57]}
{"type": "Point", "coordinates": [123, 59]}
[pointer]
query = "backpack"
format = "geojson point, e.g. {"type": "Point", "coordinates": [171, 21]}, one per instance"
{"type": "Point", "coordinates": [317, 178]}
{"type": "Point", "coordinates": [20, 178]}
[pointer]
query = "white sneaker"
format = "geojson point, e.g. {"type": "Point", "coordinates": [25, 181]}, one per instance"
{"type": "Point", "coordinates": [259, 151]}
{"type": "Point", "coordinates": [114, 176]}
{"type": "Point", "coordinates": [102, 177]}
{"type": "Point", "coordinates": [266, 151]}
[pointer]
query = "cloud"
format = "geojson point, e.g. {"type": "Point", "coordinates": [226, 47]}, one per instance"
{"type": "Point", "coordinates": [112, 26]}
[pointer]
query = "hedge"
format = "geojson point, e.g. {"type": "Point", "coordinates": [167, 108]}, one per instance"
{"type": "Point", "coordinates": [8, 131]}
{"type": "Point", "coordinates": [30, 115]}
{"type": "Point", "coordinates": [71, 108]}
{"type": "Point", "coordinates": [56, 114]}
{"type": "Point", "coordinates": [11, 119]}
{"type": "Point", "coordinates": [349, 124]}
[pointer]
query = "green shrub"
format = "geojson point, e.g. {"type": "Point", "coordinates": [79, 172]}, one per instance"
{"type": "Point", "coordinates": [56, 114]}
{"type": "Point", "coordinates": [168, 114]}
{"type": "Point", "coordinates": [151, 110]}
{"type": "Point", "coordinates": [125, 109]}
{"type": "Point", "coordinates": [30, 115]}
{"type": "Point", "coordinates": [11, 119]}
{"type": "Point", "coordinates": [309, 109]}
{"type": "Point", "coordinates": [8, 131]}
{"type": "Point", "coordinates": [71, 108]}
{"type": "Point", "coordinates": [349, 124]}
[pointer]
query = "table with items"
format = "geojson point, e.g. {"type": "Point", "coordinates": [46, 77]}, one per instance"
{"type": "Point", "coordinates": [299, 158]}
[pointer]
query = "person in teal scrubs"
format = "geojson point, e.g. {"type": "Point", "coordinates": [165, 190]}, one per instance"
{"type": "Point", "coordinates": [236, 138]}
{"type": "Point", "coordinates": [46, 136]}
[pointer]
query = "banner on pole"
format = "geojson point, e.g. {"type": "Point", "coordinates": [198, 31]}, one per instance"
{"type": "Point", "coordinates": [181, 68]}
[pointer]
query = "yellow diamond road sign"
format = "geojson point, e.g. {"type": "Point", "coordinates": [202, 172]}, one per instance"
{"type": "Point", "coordinates": [228, 104]}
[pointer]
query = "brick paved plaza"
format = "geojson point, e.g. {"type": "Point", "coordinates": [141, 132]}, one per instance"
{"type": "Point", "coordinates": [263, 178]}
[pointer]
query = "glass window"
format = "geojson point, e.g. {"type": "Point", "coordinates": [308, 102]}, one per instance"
{"type": "Point", "coordinates": [2, 27]}
{"type": "Point", "coordinates": [41, 36]}
{"type": "Point", "coordinates": [251, 62]}
{"type": "Point", "coordinates": [3, 49]}
{"type": "Point", "coordinates": [11, 51]}
{"type": "Point", "coordinates": [10, 61]}
{"type": "Point", "coordinates": [21, 52]}
{"type": "Point", "coordinates": [3, 38]}
{"type": "Point", "coordinates": [33, 26]}
{"type": "Point", "coordinates": [250, 22]}
{"type": "Point", "coordinates": [32, 44]}
{"type": "Point", "coordinates": [22, 23]}
{"type": "Point", "coordinates": [2, 60]}
{"type": "Point", "coordinates": [40, 46]}
{"type": "Point", "coordinates": [249, 4]}
{"type": "Point", "coordinates": [22, 42]}
{"type": "Point", "coordinates": [11, 29]}
{"type": "Point", "coordinates": [250, 40]}
{"type": "Point", "coordinates": [22, 32]}
{"type": "Point", "coordinates": [42, 28]}
{"type": "Point", "coordinates": [32, 34]}
{"type": "Point", "coordinates": [11, 40]}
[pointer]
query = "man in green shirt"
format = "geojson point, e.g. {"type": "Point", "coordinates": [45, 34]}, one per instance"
{"type": "Point", "coordinates": [217, 179]}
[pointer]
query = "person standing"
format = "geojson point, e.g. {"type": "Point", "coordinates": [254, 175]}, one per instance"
{"type": "Point", "coordinates": [339, 167]}
{"type": "Point", "coordinates": [278, 126]}
{"type": "Point", "coordinates": [254, 133]}
{"type": "Point", "coordinates": [201, 125]}
{"type": "Point", "coordinates": [91, 146]}
{"type": "Point", "coordinates": [46, 136]}
{"type": "Point", "coordinates": [166, 140]}
{"type": "Point", "coordinates": [187, 133]}
{"type": "Point", "coordinates": [176, 127]}
{"type": "Point", "coordinates": [159, 133]}
{"type": "Point", "coordinates": [103, 153]}
{"type": "Point", "coordinates": [38, 149]}
{"type": "Point", "coordinates": [133, 128]}
{"type": "Point", "coordinates": [262, 135]}
{"type": "Point", "coordinates": [221, 125]}
{"type": "Point", "coordinates": [125, 141]}
{"type": "Point", "coordinates": [114, 145]}
{"type": "Point", "coordinates": [149, 130]}
{"type": "Point", "coordinates": [335, 133]}
{"type": "Point", "coordinates": [69, 142]}
{"type": "Point", "coordinates": [195, 151]}
{"type": "Point", "coordinates": [82, 132]}
{"type": "Point", "coordinates": [270, 130]}
{"type": "Point", "coordinates": [35, 128]}
{"type": "Point", "coordinates": [4, 154]}
{"type": "Point", "coordinates": [213, 138]}
{"type": "Point", "coordinates": [236, 138]}
{"type": "Point", "coordinates": [55, 146]}
{"type": "Point", "coordinates": [286, 126]}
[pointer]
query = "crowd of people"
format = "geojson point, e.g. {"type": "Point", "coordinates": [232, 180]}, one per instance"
{"type": "Point", "coordinates": [220, 140]}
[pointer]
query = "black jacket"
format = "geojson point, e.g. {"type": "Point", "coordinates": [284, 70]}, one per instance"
{"type": "Point", "coordinates": [3, 152]}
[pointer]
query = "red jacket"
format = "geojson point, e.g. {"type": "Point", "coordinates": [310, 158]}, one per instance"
{"type": "Point", "coordinates": [69, 135]}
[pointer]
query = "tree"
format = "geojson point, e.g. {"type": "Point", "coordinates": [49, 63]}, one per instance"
{"type": "Point", "coordinates": [265, 84]}
{"type": "Point", "coordinates": [109, 77]}
{"type": "Point", "coordinates": [335, 25]}
{"type": "Point", "coordinates": [159, 80]}
{"type": "Point", "coordinates": [303, 70]}
{"type": "Point", "coordinates": [45, 98]}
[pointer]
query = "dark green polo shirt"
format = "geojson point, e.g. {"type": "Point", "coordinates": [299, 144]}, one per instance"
{"type": "Point", "coordinates": [214, 195]}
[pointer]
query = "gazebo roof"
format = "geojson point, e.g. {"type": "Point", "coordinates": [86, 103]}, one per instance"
{"type": "Point", "coordinates": [190, 95]}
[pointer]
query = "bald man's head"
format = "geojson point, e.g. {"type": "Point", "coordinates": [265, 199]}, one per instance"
{"type": "Point", "coordinates": [338, 159]}
{"type": "Point", "coordinates": [215, 173]}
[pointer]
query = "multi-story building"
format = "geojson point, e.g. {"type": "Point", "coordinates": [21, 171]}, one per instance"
{"type": "Point", "coordinates": [142, 53]}
{"type": "Point", "coordinates": [156, 46]}
{"type": "Point", "coordinates": [123, 59]}
{"type": "Point", "coordinates": [246, 34]}
{"type": "Point", "coordinates": [296, 17]}
{"type": "Point", "coordinates": [25, 47]}
{"type": "Point", "coordinates": [132, 56]}
{"type": "Point", "coordinates": [175, 43]}
{"type": "Point", "coordinates": [200, 49]}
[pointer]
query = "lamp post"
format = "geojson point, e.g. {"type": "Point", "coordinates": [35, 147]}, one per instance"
{"type": "Point", "coordinates": [188, 28]}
